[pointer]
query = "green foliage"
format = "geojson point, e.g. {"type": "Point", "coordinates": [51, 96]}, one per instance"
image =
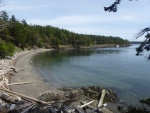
{"type": "Point", "coordinates": [4, 15]}
{"type": "Point", "coordinates": [6, 49]}
{"type": "Point", "coordinates": [10, 49]}
{"type": "Point", "coordinates": [22, 35]}
{"type": "Point", "coordinates": [3, 49]}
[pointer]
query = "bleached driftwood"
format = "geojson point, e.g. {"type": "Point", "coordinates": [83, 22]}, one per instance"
{"type": "Point", "coordinates": [102, 97]}
{"type": "Point", "coordinates": [10, 98]}
{"type": "Point", "coordinates": [20, 69]}
{"type": "Point", "coordinates": [14, 69]}
{"type": "Point", "coordinates": [26, 97]}
{"type": "Point", "coordinates": [19, 83]}
{"type": "Point", "coordinates": [85, 104]}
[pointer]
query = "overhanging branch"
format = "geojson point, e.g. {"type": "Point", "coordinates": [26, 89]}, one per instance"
{"type": "Point", "coordinates": [113, 7]}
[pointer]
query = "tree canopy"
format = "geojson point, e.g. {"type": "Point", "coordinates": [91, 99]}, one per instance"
{"type": "Point", "coordinates": [22, 35]}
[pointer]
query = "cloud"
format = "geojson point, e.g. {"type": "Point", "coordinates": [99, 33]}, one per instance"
{"type": "Point", "coordinates": [75, 20]}
{"type": "Point", "coordinates": [66, 20]}
{"type": "Point", "coordinates": [126, 18]}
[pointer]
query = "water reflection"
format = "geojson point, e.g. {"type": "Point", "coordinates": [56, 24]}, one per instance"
{"type": "Point", "coordinates": [108, 67]}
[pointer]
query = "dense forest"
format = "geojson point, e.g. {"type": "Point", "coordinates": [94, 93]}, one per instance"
{"type": "Point", "coordinates": [22, 35]}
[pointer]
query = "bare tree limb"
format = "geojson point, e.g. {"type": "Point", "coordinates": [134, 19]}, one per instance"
{"type": "Point", "coordinates": [113, 7]}
{"type": "Point", "coordinates": [142, 32]}
{"type": "Point", "coordinates": [145, 45]}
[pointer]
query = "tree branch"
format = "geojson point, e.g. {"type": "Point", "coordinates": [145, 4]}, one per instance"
{"type": "Point", "coordinates": [145, 45]}
{"type": "Point", "coordinates": [113, 7]}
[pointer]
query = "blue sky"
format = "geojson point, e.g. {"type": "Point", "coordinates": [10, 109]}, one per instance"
{"type": "Point", "coordinates": [84, 16]}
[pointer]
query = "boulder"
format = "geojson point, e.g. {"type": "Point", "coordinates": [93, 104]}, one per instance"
{"type": "Point", "coordinates": [74, 96]}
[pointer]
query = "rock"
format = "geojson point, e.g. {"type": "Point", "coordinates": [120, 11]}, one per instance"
{"type": "Point", "coordinates": [73, 96]}
{"type": "Point", "coordinates": [94, 92]}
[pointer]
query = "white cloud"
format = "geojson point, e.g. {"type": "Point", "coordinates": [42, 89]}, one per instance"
{"type": "Point", "coordinates": [66, 20]}
{"type": "Point", "coordinates": [75, 20]}
{"type": "Point", "coordinates": [126, 18]}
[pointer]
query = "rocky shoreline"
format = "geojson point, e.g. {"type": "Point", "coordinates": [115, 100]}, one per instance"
{"type": "Point", "coordinates": [77, 96]}
{"type": "Point", "coordinates": [82, 93]}
{"type": "Point", "coordinates": [21, 103]}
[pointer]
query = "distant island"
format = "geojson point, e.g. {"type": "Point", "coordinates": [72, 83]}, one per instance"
{"type": "Point", "coordinates": [135, 42]}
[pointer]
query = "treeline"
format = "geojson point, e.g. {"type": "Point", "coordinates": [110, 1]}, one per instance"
{"type": "Point", "coordinates": [135, 42]}
{"type": "Point", "coordinates": [22, 35]}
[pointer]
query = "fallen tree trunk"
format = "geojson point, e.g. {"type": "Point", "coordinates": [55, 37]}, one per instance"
{"type": "Point", "coordinates": [102, 97]}
{"type": "Point", "coordinates": [26, 97]}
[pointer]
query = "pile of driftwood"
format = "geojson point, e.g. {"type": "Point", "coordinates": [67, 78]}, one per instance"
{"type": "Point", "coordinates": [13, 102]}
{"type": "Point", "coordinates": [18, 103]}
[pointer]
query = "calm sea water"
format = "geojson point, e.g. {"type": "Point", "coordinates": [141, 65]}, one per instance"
{"type": "Point", "coordinates": [116, 68]}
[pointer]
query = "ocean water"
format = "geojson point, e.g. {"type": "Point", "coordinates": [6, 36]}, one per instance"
{"type": "Point", "coordinates": [116, 68]}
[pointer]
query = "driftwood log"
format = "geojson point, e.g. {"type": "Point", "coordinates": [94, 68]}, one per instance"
{"type": "Point", "coordinates": [86, 104]}
{"type": "Point", "coordinates": [20, 83]}
{"type": "Point", "coordinates": [9, 98]}
{"type": "Point", "coordinates": [102, 97]}
{"type": "Point", "coordinates": [26, 97]}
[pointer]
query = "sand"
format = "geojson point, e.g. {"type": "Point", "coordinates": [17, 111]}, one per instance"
{"type": "Point", "coordinates": [29, 74]}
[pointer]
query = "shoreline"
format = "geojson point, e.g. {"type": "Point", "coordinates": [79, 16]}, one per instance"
{"type": "Point", "coordinates": [29, 74]}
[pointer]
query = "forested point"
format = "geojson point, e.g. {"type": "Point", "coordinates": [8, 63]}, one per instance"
{"type": "Point", "coordinates": [19, 34]}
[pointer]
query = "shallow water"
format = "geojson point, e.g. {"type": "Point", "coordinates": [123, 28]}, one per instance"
{"type": "Point", "coordinates": [116, 68]}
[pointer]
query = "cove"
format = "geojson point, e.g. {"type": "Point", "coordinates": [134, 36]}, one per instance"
{"type": "Point", "coordinates": [116, 68]}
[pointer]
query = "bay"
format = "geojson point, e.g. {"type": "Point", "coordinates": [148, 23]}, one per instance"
{"type": "Point", "coordinates": [116, 68]}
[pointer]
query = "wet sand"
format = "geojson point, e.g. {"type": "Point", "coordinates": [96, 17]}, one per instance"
{"type": "Point", "coordinates": [29, 74]}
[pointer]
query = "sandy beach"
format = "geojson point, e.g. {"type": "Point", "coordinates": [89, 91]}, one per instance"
{"type": "Point", "coordinates": [29, 74]}
{"type": "Point", "coordinates": [23, 60]}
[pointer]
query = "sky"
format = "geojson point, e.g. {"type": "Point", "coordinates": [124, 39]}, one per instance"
{"type": "Point", "coordinates": [84, 16]}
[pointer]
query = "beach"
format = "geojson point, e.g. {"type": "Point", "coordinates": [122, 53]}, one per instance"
{"type": "Point", "coordinates": [22, 62]}
{"type": "Point", "coordinates": [29, 74]}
